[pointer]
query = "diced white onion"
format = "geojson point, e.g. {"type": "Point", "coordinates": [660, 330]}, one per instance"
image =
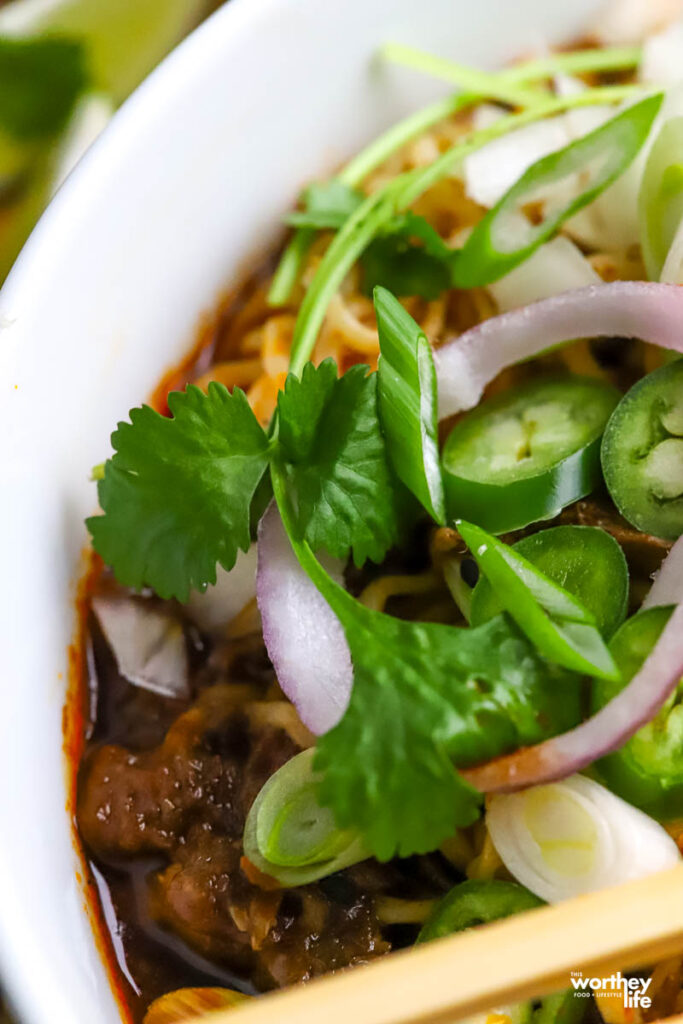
{"type": "Point", "coordinates": [629, 21]}
{"type": "Point", "coordinates": [556, 267]}
{"type": "Point", "coordinates": [147, 642]}
{"type": "Point", "coordinates": [574, 837]}
{"type": "Point", "coordinates": [218, 605]}
{"type": "Point", "coordinates": [490, 171]}
{"type": "Point", "coordinates": [662, 60]}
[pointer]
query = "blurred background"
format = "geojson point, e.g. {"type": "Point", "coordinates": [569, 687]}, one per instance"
{"type": "Point", "coordinates": [65, 66]}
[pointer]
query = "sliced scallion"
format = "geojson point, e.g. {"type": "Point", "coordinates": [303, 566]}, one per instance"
{"type": "Point", "coordinates": [379, 209]}
{"type": "Point", "coordinates": [407, 403]}
{"type": "Point", "coordinates": [561, 628]}
{"type": "Point", "coordinates": [660, 202]}
{"type": "Point", "coordinates": [289, 836]}
{"type": "Point", "coordinates": [502, 240]}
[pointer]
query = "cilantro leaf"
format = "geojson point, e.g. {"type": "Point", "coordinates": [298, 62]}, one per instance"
{"type": "Point", "coordinates": [347, 497]}
{"type": "Point", "coordinates": [408, 403]}
{"type": "Point", "coordinates": [176, 495]}
{"type": "Point", "coordinates": [326, 205]}
{"type": "Point", "coordinates": [394, 261]}
{"type": "Point", "coordinates": [40, 80]}
{"type": "Point", "coordinates": [427, 697]}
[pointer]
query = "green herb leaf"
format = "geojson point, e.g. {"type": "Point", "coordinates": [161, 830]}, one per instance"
{"type": "Point", "coordinates": [405, 269]}
{"type": "Point", "coordinates": [326, 205]}
{"type": "Point", "coordinates": [40, 81]}
{"type": "Point", "coordinates": [347, 497]}
{"type": "Point", "coordinates": [425, 697]}
{"type": "Point", "coordinates": [661, 196]}
{"type": "Point", "coordinates": [176, 495]}
{"type": "Point", "coordinates": [379, 209]}
{"type": "Point", "coordinates": [501, 241]}
{"type": "Point", "coordinates": [562, 628]}
{"type": "Point", "coordinates": [395, 262]}
{"type": "Point", "coordinates": [408, 403]}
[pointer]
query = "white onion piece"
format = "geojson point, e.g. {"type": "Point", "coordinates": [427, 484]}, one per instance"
{"type": "Point", "coordinates": [609, 729]}
{"type": "Point", "coordinates": [304, 638]}
{"type": "Point", "coordinates": [556, 267]}
{"type": "Point", "coordinates": [612, 221]}
{"type": "Point", "coordinates": [490, 171]}
{"type": "Point", "coordinates": [575, 837]}
{"type": "Point", "coordinates": [219, 604]}
{"type": "Point", "coordinates": [631, 309]}
{"type": "Point", "coordinates": [672, 271]}
{"type": "Point", "coordinates": [148, 644]}
{"type": "Point", "coordinates": [662, 60]}
{"type": "Point", "coordinates": [668, 583]}
{"type": "Point", "coordinates": [629, 21]}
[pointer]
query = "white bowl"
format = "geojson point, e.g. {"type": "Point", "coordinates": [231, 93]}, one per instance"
{"type": "Point", "coordinates": [178, 195]}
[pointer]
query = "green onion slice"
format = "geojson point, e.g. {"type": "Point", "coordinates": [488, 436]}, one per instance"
{"type": "Point", "coordinates": [585, 560]}
{"type": "Point", "coordinates": [290, 836]}
{"type": "Point", "coordinates": [562, 629]}
{"type": "Point", "coordinates": [660, 202]}
{"type": "Point", "coordinates": [407, 403]}
{"type": "Point", "coordinates": [501, 240]}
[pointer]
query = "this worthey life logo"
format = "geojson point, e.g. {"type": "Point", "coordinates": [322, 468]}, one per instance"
{"type": "Point", "coordinates": [633, 991]}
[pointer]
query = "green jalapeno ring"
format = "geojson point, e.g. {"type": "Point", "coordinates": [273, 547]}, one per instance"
{"type": "Point", "coordinates": [478, 902]}
{"type": "Point", "coordinates": [648, 770]}
{"type": "Point", "coordinates": [642, 453]}
{"type": "Point", "coordinates": [523, 456]}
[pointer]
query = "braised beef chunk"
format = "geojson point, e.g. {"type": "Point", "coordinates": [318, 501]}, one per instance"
{"type": "Point", "coordinates": [187, 800]}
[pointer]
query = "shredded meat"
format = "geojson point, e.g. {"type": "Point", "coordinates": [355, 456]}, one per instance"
{"type": "Point", "coordinates": [187, 799]}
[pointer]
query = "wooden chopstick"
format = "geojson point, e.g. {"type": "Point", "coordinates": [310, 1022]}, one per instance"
{"type": "Point", "coordinates": [528, 955]}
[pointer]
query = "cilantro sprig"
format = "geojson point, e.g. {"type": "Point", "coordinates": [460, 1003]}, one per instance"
{"type": "Point", "coordinates": [179, 497]}
{"type": "Point", "coordinates": [426, 697]}
{"type": "Point", "coordinates": [177, 494]}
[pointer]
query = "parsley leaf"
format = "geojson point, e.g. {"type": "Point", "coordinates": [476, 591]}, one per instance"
{"type": "Point", "coordinates": [346, 495]}
{"type": "Point", "coordinates": [326, 205]}
{"type": "Point", "coordinates": [176, 495]}
{"type": "Point", "coordinates": [408, 403]}
{"type": "Point", "coordinates": [394, 261]}
{"type": "Point", "coordinates": [40, 80]}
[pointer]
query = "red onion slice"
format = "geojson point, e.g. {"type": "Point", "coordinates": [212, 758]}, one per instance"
{"type": "Point", "coordinates": [304, 638]}
{"type": "Point", "coordinates": [610, 728]}
{"type": "Point", "coordinates": [630, 309]}
{"type": "Point", "coordinates": [668, 583]}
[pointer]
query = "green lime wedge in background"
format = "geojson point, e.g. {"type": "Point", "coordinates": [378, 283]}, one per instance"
{"type": "Point", "coordinates": [125, 39]}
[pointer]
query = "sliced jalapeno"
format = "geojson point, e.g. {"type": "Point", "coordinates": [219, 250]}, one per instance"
{"type": "Point", "coordinates": [648, 770]}
{"type": "Point", "coordinates": [475, 903]}
{"type": "Point", "coordinates": [584, 560]}
{"type": "Point", "coordinates": [523, 456]}
{"type": "Point", "coordinates": [642, 453]}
